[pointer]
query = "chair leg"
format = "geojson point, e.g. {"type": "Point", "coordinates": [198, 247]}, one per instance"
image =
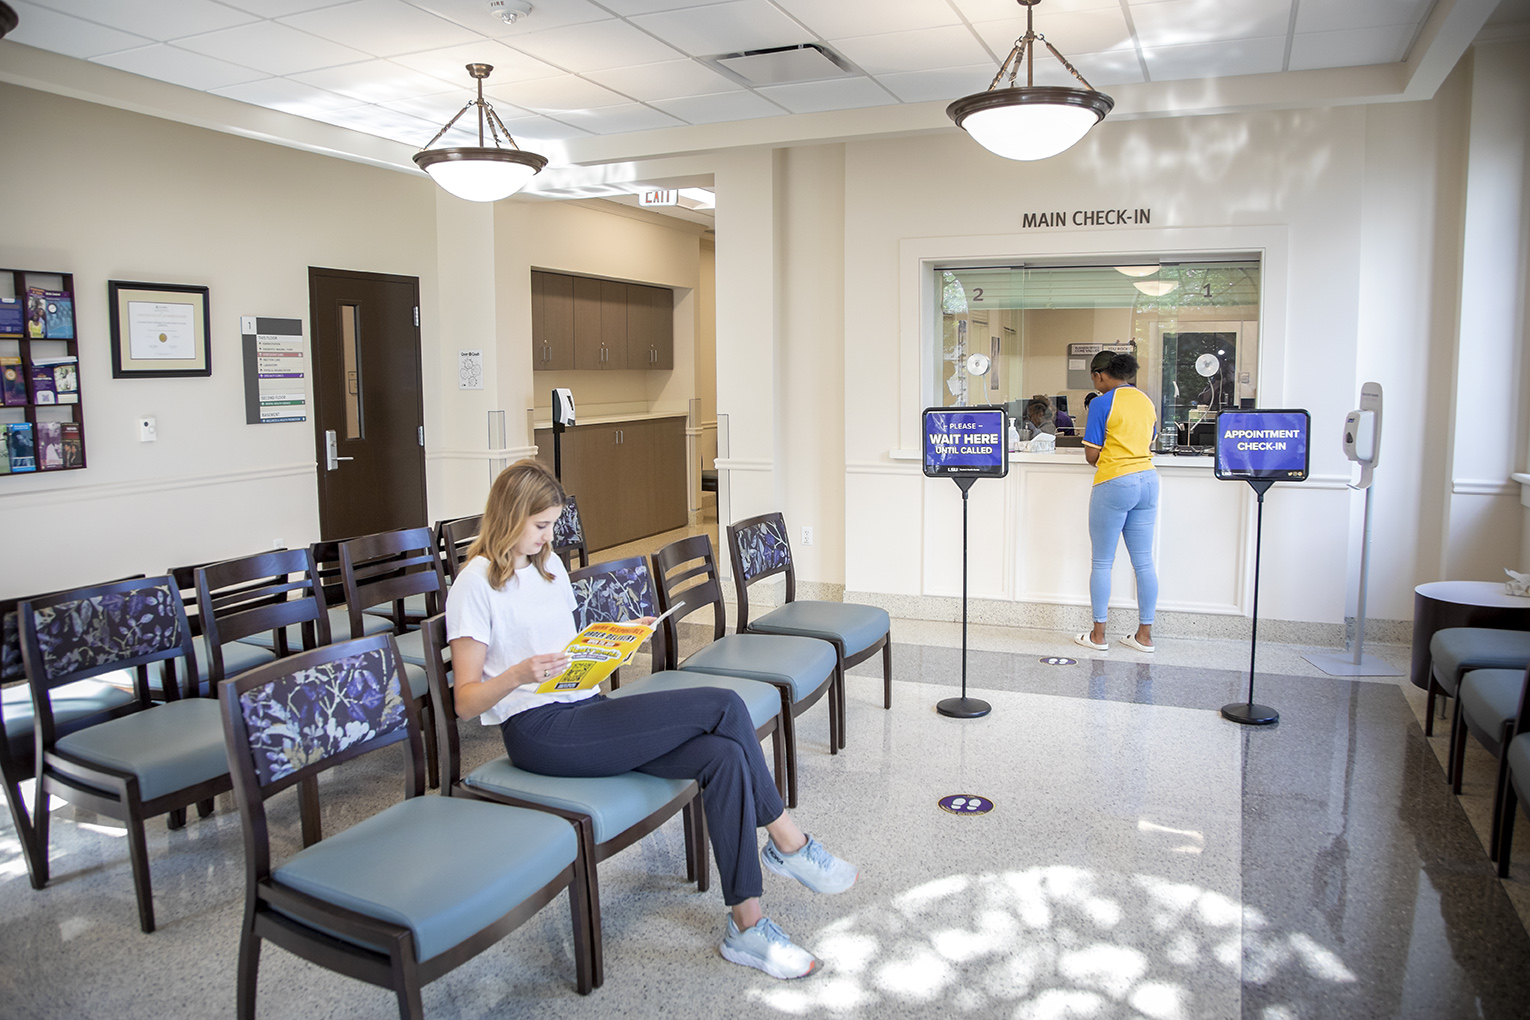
{"type": "Point", "coordinates": [248, 968]}
{"type": "Point", "coordinates": [839, 691]}
{"type": "Point", "coordinates": [587, 880]}
{"type": "Point", "coordinates": [1509, 805]}
{"type": "Point", "coordinates": [1434, 689]}
{"type": "Point", "coordinates": [778, 751]}
{"type": "Point", "coordinates": [589, 967]}
{"type": "Point", "coordinates": [789, 734]}
{"type": "Point", "coordinates": [138, 851]}
{"type": "Point", "coordinates": [1456, 759]}
{"type": "Point", "coordinates": [687, 816]}
{"type": "Point", "coordinates": [832, 697]}
{"type": "Point", "coordinates": [701, 846]}
{"type": "Point", "coordinates": [37, 850]}
{"type": "Point", "coordinates": [432, 759]}
{"type": "Point", "coordinates": [887, 673]}
{"type": "Point", "coordinates": [175, 819]}
{"type": "Point", "coordinates": [1504, 737]}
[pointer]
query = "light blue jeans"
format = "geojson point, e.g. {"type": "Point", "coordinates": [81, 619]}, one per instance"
{"type": "Point", "coordinates": [1124, 507]}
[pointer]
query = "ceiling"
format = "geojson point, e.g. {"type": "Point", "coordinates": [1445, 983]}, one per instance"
{"type": "Point", "coordinates": [579, 74]}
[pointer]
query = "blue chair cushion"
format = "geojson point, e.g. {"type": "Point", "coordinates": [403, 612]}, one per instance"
{"type": "Point", "coordinates": [339, 630]}
{"type": "Point", "coordinates": [774, 658]}
{"type": "Point", "coordinates": [1518, 757]}
{"type": "Point", "coordinates": [411, 646]}
{"type": "Point", "coordinates": [1456, 650]}
{"type": "Point", "coordinates": [168, 747]}
{"type": "Point", "coordinates": [414, 605]}
{"type": "Point", "coordinates": [614, 803]}
{"type": "Point", "coordinates": [1490, 697]}
{"type": "Point", "coordinates": [237, 657]}
{"type": "Point", "coordinates": [419, 685]}
{"type": "Point", "coordinates": [445, 867]}
{"type": "Point", "coordinates": [762, 699]}
{"type": "Point", "coordinates": [857, 627]}
{"type": "Point", "coordinates": [71, 703]}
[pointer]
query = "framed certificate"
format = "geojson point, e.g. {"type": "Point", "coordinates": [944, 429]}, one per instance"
{"type": "Point", "coordinates": [158, 330]}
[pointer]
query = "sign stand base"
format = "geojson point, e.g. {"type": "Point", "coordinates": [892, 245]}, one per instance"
{"type": "Point", "coordinates": [1250, 714]}
{"type": "Point", "coordinates": [964, 707]}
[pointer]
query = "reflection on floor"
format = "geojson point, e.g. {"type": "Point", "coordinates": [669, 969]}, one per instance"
{"type": "Point", "coordinates": [1145, 858]}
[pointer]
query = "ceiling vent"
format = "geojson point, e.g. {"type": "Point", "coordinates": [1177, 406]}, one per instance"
{"type": "Point", "coordinates": [783, 65]}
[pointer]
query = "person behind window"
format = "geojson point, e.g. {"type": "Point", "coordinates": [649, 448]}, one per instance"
{"type": "Point", "coordinates": [1063, 418]}
{"type": "Point", "coordinates": [1088, 399]}
{"type": "Point", "coordinates": [509, 616]}
{"type": "Point", "coordinates": [1038, 419]}
{"type": "Point", "coordinates": [1123, 502]}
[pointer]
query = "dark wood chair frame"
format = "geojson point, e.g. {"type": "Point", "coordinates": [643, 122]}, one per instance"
{"type": "Point", "coordinates": [844, 662]}
{"type": "Point", "coordinates": [565, 552]}
{"type": "Point", "coordinates": [296, 921]}
{"type": "Point", "coordinates": [1509, 799]}
{"type": "Point", "coordinates": [658, 648]}
{"type": "Point", "coordinates": [267, 592]}
{"type": "Point", "coordinates": [104, 790]}
{"type": "Point", "coordinates": [457, 536]}
{"type": "Point", "coordinates": [679, 579]}
{"type": "Point", "coordinates": [1496, 743]}
{"type": "Point", "coordinates": [688, 803]}
{"type": "Point", "coordinates": [13, 770]}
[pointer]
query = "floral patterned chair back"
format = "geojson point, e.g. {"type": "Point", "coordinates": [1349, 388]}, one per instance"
{"type": "Point", "coordinates": [613, 592]}
{"type": "Point", "coordinates": [568, 535]}
{"type": "Point", "coordinates": [758, 548]}
{"type": "Point", "coordinates": [315, 710]}
{"type": "Point", "coordinates": [75, 635]}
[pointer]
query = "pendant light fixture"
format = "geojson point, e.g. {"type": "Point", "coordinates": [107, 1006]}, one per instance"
{"type": "Point", "coordinates": [8, 19]}
{"type": "Point", "coordinates": [1030, 121]}
{"type": "Point", "coordinates": [478, 173]}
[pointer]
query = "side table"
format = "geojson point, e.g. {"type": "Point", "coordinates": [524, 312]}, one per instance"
{"type": "Point", "coordinates": [1441, 604]}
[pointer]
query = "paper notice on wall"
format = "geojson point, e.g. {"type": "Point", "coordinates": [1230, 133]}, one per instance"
{"type": "Point", "coordinates": [1075, 364]}
{"type": "Point", "coordinates": [470, 370]}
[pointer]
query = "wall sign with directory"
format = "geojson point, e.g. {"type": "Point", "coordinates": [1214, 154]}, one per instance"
{"type": "Point", "coordinates": [965, 442]}
{"type": "Point", "coordinates": [1263, 445]}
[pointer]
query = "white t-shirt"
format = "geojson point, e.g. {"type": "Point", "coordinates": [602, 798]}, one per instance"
{"type": "Point", "coordinates": [529, 616]}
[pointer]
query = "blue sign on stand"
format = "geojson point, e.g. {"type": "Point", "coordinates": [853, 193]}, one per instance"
{"type": "Point", "coordinates": [1253, 445]}
{"type": "Point", "coordinates": [965, 442]}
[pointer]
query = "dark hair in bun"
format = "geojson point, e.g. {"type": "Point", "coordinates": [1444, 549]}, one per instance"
{"type": "Point", "coordinates": [1121, 366]}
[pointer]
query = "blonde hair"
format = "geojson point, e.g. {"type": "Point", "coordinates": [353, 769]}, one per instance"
{"type": "Point", "coordinates": [522, 490]}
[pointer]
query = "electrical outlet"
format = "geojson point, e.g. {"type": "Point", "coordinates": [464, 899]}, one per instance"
{"type": "Point", "coordinates": [807, 536]}
{"type": "Point", "coordinates": [148, 432]}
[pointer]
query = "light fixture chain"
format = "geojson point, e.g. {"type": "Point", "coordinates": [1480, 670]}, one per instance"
{"type": "Point", "coordinates": [448, 126]}
{"type": "Point", "coordinates": [493, 120]}
{"type": "Point", "coordinates": [1071, 69]}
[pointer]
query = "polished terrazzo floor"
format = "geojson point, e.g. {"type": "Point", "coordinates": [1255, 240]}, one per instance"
{"type": "Point", "coordinates": [1144, 858]}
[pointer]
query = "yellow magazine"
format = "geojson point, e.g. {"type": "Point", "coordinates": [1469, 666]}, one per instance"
{"type": "Point", "coordinates": [597, 652]}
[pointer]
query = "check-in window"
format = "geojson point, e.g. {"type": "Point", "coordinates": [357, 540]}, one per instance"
{"type": "Point", "coordinates": [1193, 326]}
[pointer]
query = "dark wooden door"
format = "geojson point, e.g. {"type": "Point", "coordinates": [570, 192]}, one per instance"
{"type": "Point", "coordinates": [368, 395]}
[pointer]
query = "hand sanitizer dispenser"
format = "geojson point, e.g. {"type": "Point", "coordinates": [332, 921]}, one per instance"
{"type": "Point", "coordinates": [563, 406]}
{"type": "Point", "coordinates": [1362, 433]}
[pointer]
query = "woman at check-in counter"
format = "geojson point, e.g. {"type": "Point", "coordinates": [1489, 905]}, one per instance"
{"type": "Point", "coordinates": [1124, 501]}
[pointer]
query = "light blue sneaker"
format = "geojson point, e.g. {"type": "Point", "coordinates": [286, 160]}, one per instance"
{"type": "Point", "coordinates": [811, 865]}
{"type": "Point", "coordinates": [766, 947]}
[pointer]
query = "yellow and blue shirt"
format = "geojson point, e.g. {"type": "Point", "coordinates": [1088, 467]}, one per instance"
{"type": "Point", "coordinates": [1121, 426]}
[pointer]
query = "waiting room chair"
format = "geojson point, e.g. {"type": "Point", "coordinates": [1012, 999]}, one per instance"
{"type": "Point", "coordinates": [620, 590]}
{"type": "Point", "coordinates": [1456, 651]}
{"type": "Point", "coordinates": [326, 558]}
{"type": "Point", "coordinates": [759, 548]}
{"type": "Point", "coordinates": [802, 669]}
{"type": "Point", "coordinates": [456, 538]}
{"type": "Point", "coordinates": [235, 659]}
{"type": "Point", "coordinates": [154, 760]}
{"type": "Point", "coordinates": [609, 813]}
{"type": "Point", "coordinates": [475, 871]}
{"type": "Point", "coordinates": [568, 535]}
{"type": "Point", "coordinates": [1488, 708]}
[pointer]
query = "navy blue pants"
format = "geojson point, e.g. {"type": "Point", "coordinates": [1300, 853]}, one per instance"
{"type": "Point", "coordinates": [704, 734]}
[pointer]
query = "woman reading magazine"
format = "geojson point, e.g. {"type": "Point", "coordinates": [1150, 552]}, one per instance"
{"type": "Point", "coordinates": [509, 616]}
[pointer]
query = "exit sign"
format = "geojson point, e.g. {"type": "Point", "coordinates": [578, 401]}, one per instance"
{"type": "Point", "coordinates": [658, 196]}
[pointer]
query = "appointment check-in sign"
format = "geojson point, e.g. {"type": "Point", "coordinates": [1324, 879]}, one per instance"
{"type": "Point", "coordinates": [1258, 444]}
{"type": "Point", "coordinates": [965, 442]}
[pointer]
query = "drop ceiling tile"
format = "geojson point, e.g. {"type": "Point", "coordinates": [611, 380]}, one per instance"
{"type": "Point", "coordinates": [381, 27]}
{"type": "Point", "coordinates": [287, 96]}
{"type": "Point", "coordinates": [442, 108]}
{"type": "Point", "coordinates": [178, 67]}
{"type": "Point", "coordinates": [1215, 59]}
{"type": "Point", "coordinates": [594, 47]}
{"type": "Point", "coordinates": [280, 8]}
{"type": "Point", "coordinates": [725, 28]}
{"type": "Point", "coordinates": [1113, 67]}
{"type": "Point", "coordinates": [450, 64]}
{"type": "Point", "coordinates": [474, 15]}
{"type": "Point", "coordinates": [670, 79]}
{"type": "Point", "coordinates": [846, 19]}
{"type": "Point", "coordinates": [947, 83]}
{"type": "Point", "coordinates": [157, 19]}
{"type": "Point", "coordinates": [816, 96]}
{"type": "Point", "coordinates": [272, 47]}
{"type": "Point", "coordinates": [1335, 15]}
{"type": "Point", "coordinates": [376, 81]}
{"type": "Point", "coordinates": [724, 106]}
{"type": "Point", "coordinates": [1073, 32]}
{"type": "Point", "coordinates": [994, 10]}
{"type": "Point", "coordinates": [1181, 22]}
{"type": "Point", "coordinates": [921, 50]}
{"type": "Point", "coordinates": [613, 120]}
{"type": "Point", "coordinates": [49, 30]}
{"type": "Point", "coordinates": [556, 95]}
{"type": "Point", "coordinates": [378, 120]}
{"type": "Point", "coordinates": [1351, 48]}
{"type": "Point", "coordinates": [529, 131]}
{"type": "Point", "coordinates": [627, 8]}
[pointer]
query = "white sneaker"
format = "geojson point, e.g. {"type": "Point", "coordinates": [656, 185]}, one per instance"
{"type": "Point", "coordinates": [766, 947]}
{"type": "Point", "coordinates": [811, 865]}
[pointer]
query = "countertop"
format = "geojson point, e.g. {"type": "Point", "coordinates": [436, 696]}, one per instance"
{"type": "Point", "coordinates": [611, 419]}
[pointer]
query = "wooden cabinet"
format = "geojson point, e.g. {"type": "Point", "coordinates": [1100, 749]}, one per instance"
{"type": "Point", "coordinates": [650, 327]}
{"type": "Point", "coordinates": [629, 477]}
{"type": "Point", "coordinates": [594, 325]}
{"type": "Point", "coordinates": [552, 321]}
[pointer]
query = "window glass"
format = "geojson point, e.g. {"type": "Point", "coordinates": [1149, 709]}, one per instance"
{"type": "Point", "coordinates": [1193, 326]}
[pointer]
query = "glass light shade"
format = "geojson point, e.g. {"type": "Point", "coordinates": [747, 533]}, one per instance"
{"type": "Point", "coordinates": [480, 174]}
{"type": "Point", "coordinates": [1033, 122]}
{"type": "Point", "coordinates": [1157, 288]}
{"type": "Point", "coordinates": [1137, 270]}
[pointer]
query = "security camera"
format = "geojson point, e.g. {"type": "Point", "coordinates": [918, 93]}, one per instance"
{"type": "Point", "coordinates": [509, 11]}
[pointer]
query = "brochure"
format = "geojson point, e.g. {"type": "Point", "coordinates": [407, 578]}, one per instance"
{"type": "Point", "coordinates": [598, 651]}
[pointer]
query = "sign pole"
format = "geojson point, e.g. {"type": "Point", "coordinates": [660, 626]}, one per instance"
{"type": "Point", "coordinates": [964, 707]}
{"type": "Point", "coordinates": [1249, 713]}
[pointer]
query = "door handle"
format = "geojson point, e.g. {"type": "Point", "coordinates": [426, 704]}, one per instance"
{"type": "Point", "coordinates": [332, 456]}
